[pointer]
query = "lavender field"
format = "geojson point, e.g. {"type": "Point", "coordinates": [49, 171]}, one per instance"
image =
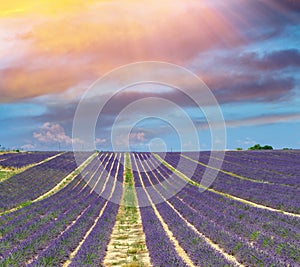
{"type": "Point", "coordinates": [145, 209]}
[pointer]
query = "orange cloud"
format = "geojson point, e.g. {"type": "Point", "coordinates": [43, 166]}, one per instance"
{"type": "Point", "coordinates": [70, 44]}
{"type": "Point", "coordinates": [45, 7]}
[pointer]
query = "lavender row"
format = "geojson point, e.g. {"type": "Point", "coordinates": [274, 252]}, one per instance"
{"type": "Point", "coordinates": [200, 252]}
{"type": "Point", "coordinates": [40, 207]}
{"type": "Point", "coordinates": [195, 246]}
{"type": "Point", "coordinates": [244, 237]}
{"type": "Point", "coordinates": [262, 173]}
{"type": "Point", "coordinates": [5, 156]}
{"type": "Point", "coordinates": [73, 188]}
{"type": "Point", "coordinates": [276, 166]}
{"type": "Point", "coordinates": [236, 226]}
{"type": "Point", "coordinates": [270, 167]}
{"type": "Point", "coordinates": [280, 161]}
{"type": "Point", "coordinates": [94, 248]}
{"type": "Point", "coordinates": [55, 206]}
{"type": "Point", "coordinates": [271, 195]}
{"type": "Point", "coordinates": [19, 160]}
{"type": "Point", "coordinates": [37, 241]}
{"type": "Point", "coordinates": [37, 180]}
{"type": "Point", "coordinates": [25, 221]}
{"type": "Point", "coordinates": [228, 227]}
{"type": "Point", "coordinates": [161, 250]}
{"type": "Point", "coordinates": [275, 159]}
{"type": "Point", "coordinates": [59, 249]}
{"type": "Point", "coordinates": [285, 226]}
{"type": "Point", "coordinates": [28, 249]}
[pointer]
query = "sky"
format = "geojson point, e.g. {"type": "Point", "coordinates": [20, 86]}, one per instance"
{"type": "Point", "coordinates": [246, 52]}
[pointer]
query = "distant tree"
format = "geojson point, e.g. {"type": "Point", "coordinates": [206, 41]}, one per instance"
{"type": "Point", "coordinates": [286, 148]}
{"type": "Point", "coordinates": [259, 147]}
{"type": "Point", "coordinates": [239, 148]}
{"type": "Point", "coordinates": [267, 147]}
{"type": "Point", "coordinates": [255, 147]}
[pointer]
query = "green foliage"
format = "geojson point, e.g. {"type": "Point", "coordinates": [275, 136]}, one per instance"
{"type": "Point", "coordinates": [4, 175]}
{"type": "Point", "coordinates": [267, 147]}
{"type": "Point", "coordinates": [90, 257]}
{"type": "Point", "coordinates": [280, 247]}
{"type": "Point", "coordinates": [241, 216]}
{"type": "Point", "coordinates": [195, 240]}
{"type": "Point", "coordinates": [47, 261]}
{"type": "Point", "coordinates": [239, 148]}
{"type": "Point", "coordinates": [259, 147]}
{"type": "Point", "coordinates": [237, 247]}
{"type": "Point", "coordinates": [265, 242]}
{"type": "Point", "coordinates": [27, 203]}
{"type": "Point", "coordinates": [254, 235]}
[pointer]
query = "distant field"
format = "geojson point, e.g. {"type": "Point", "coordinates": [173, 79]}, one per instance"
{"type": "Point", "coordinates": [55, 213]}
{"type": "Point", "coordinates": [19, 160]}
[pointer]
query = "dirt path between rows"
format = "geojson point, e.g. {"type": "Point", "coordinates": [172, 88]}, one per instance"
{"type": "Point", "coordinates": [187, 179]}
{"type": "Point", "coordinates": [127, 245]}
{"type": "Point", "coordinates": [58, 187]}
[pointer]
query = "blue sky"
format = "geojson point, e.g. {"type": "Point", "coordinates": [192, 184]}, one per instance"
{"type": "Point", "coordinates": [246, 52]}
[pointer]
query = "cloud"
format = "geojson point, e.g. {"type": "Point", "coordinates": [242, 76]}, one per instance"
{"type": "Point", "coordinates": [50, 133]}
{"type": "Point", "coordinates": [137, 137]}
{"type": "Point", "coordinates": [188, 145]}
{"type": "Point", "coordinates": [247, 142]}
{"type": "Point", "coordinates": [263, 120]}
{"type": "Point", "coordinates": [248, 88]}
{"type": "Point", "coordinates": [134, 138]}
{"type": "Point", "coordinates": [55, 53]}
{"type": "Point", "coordinates": [100, 141]}
{"type": "Point", "coordinates": [267, 119]}
{"type": "Point", "coordinates": [28, 147]}
{"type": "Point", "coordinates": [22, 83]}
{"type": "Point", "coordinates": [269, 61]}
{"type": "Point", "coordinates": [55, 56]}
{"type": "Point", "coordinates": [45, 7]}
{"type": "Point", "coordinates": [238, 76]}
{"type": "Point", "coordinates": [286, 5]}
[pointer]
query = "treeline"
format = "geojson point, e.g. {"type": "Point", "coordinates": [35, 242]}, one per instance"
{"type": "Point", "coordinates": [258, 147]}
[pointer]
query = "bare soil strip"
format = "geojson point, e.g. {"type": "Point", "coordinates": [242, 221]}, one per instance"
{"type": "Point", "coordinates": [7, 173]}
{"type": "Point", "coordinates": [70, 177]}
{"type": "Point", "coordinates": [175, 242]}
{"type": "Point", "coordinates": [70, 225]}
{"type": "Point", "coordinates": [215, 246]}
{"type": "Point", "coordinates": [47, 159]}
{"type": "Point", "coordinates": [73, 254]}
{"type": "Point", "coordinates": [241, 165]}
{"type": "Point", "coordinates": [187, 179]}
{"type": "Point", "coordinates": [11, 171]}
{"type": "Point", "coordinates": [227, 172]}
{"type": "Point", "coordinates": [127, 245]}
{"type": "Point", "coordinates": [58, 187]}
{"type": "Point", "coordinates": [88, 181]}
